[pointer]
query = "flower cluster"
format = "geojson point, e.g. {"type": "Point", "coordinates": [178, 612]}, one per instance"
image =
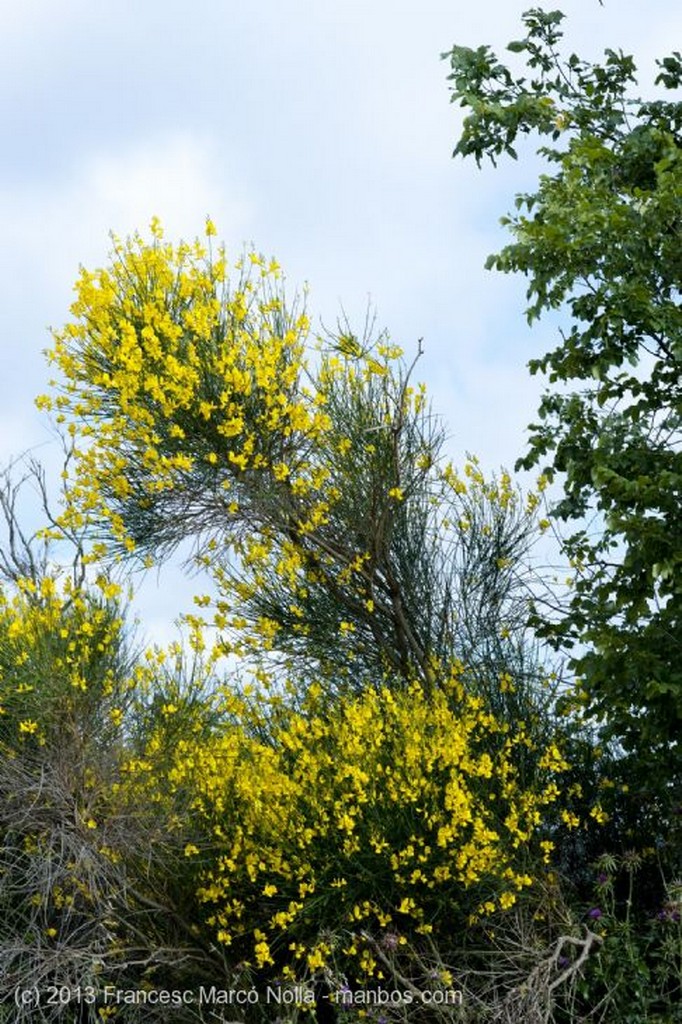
{"type": "Point", "coordinates": [391, 810]}
{"type": "Point", "coordinates": [164, 348]}
{"type": "Point", "coordinates": [59, 655]}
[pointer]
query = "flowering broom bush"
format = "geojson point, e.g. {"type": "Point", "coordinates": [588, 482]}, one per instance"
{"type": "Point", "coordinates": [379, 766]}
{"type": "Point", "coordinates": [66, 686]}
{"type": "Point", "coordinates": [387, 812]}
{"type": "Point", "coordinates": [309, 472]}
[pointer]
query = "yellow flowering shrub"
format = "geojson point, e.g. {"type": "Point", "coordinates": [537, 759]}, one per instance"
{"type": "Point", "coordinates": [401, 810]}
{"type": "Point", "coordinates": [392, 767]}
{"type": "Point", "coordinates": [308, 471]}
{"type": "Point", "coordinates": [67, 683]}
{"type": "Point", "coordinates": [61, 652]}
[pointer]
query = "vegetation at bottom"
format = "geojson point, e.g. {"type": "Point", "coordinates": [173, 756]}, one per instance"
{"type": "Point", "coordinates": [390, 770]}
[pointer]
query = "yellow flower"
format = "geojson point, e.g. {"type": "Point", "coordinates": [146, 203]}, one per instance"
{"type": "Point", "coordinates": [570, 820]}
{"type": "Point", "coordinates": [317, 958]}
{"type": "Point", "coordinates": [263, 954]}
{"type": "Point", "coordinates": [599, 814]}
{"type": "Point", "coordinates": [546, 846]}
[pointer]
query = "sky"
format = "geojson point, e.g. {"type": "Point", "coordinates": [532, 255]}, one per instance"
{"type": "Point", "coordinates": [320, 131]}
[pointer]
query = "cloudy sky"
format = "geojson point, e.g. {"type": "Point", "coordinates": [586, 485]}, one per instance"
{"type": "Point", "coordinates": [319, 130]}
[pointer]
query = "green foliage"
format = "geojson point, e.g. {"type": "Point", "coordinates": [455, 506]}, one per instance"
{"type": "Point", "coordinates": [599, 241]}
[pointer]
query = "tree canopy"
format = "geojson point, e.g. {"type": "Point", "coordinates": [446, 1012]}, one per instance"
{"type": "Point", "coordinates": [599, 242]}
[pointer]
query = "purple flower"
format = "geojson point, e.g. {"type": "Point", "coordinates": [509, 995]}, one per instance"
{"type": "Point", "coordinates": [668, 913]}
{"type": "Point", "coordinates": [595, 913]}
{"type": "Point", "coordinates": [602, 878]}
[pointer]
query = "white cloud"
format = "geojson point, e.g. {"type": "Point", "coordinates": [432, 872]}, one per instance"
{"type": "Point", "coordinates": [49, 231]}
{"type": "Point", "coordinates": [175, 177]}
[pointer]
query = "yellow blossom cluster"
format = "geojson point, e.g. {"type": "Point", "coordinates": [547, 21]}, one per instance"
{"type": "Point", "coordinates": [388, 808]}
{"type": "Point", "coordinates": [172, 371]}
{"type": "Point", "coordinates": [199, 406]}
{"type": "Point", "coordinates": [59, 647]}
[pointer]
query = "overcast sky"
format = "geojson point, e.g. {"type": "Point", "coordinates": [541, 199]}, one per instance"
{"type": "Point", "coordinates": [319, 130]}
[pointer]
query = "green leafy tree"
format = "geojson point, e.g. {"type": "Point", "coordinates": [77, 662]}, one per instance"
{"type": "Point", "coordinates": [599, 242]}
